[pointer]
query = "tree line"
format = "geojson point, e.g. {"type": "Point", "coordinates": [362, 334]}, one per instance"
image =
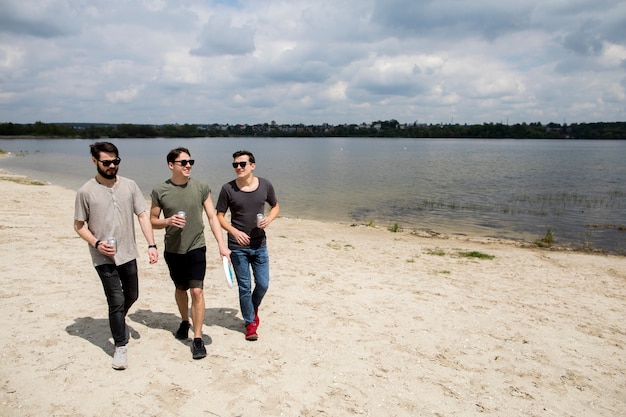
{"type": "Point", "coordinates": [388, 128]}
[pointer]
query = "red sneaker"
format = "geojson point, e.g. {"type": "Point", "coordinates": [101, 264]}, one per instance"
{"type": "Point", "coordinates": [256, 317]}
{"type": "Point", "coordinates": [251, 331]}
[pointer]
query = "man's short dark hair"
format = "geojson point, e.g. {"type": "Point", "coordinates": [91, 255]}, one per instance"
{"type": "Point", "coordinates": [242, 153]}
{"type": "Point", "coordinates": [174, 153]}
{"type": "Point", "coordinates": [106, 147]}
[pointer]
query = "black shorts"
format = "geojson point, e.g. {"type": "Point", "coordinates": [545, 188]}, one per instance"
{"type": "Point", "coordinates": [187, 270]}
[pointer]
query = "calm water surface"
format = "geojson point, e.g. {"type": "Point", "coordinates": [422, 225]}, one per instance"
{"type": "Point", "coordinates": [505, 188]}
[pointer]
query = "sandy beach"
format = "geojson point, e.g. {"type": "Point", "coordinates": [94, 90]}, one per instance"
{"type": "Point", "coordinates": [358, 321]}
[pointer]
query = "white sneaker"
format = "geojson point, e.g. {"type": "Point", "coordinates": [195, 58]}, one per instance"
{"type": "Point", "coordinates": [119, 358]}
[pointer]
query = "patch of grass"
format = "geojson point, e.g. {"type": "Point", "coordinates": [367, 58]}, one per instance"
{"type": "Point", "coordinates": [547, 240]}
{"type": "Point", "coordinates": [371, 224]}
{"type": "Point", "coordinates": [476, 255]}
{"type": "Point", "coordinates": [334, 245]}
{"type": "Point", "coordinates": [21, 180]}
{"type": "Point", "coordinates": [446, 272]}
{"type": "Point", "coordinates": [549, 237]}
{"type": "Point", "coordinates": [394, 229]}
{"type": "Point", "coordinates": [436, 251]}
{"type": "Point", "coordinates": [413, 258]}
{"type": "Point", "coordinates": [605, 226]}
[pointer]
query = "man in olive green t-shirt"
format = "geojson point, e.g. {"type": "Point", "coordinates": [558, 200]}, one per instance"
{"type": "Point", "coordinates": [185, 247]}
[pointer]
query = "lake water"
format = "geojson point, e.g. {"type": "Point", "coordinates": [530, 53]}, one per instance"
{"type": "Point", "coordinates": [516, 189]}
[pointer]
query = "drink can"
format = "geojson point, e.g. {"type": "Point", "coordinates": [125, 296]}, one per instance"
{"type": "Point", "coordinates": [182, 214]}
{"type": "Point", "coordinates": [259, 217]}
{"type": "Point", "coordinates": [112, 241]}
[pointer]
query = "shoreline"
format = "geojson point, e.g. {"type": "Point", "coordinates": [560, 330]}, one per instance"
{"type": "Point", "coordinates": [357, 320]}
{"type": "Point", "coordinates": [514, 212]}
{"type": "Point", "coordinates": [424, 233]}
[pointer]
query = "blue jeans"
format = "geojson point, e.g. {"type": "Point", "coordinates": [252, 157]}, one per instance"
{"type": "Point", "coordinates": [258, 259]}
{"type": "Point", "coordinates": [121, 287]}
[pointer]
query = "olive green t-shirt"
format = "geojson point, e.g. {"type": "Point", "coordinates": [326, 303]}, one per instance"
{"type": "Point", "coordinates": [190, 198]}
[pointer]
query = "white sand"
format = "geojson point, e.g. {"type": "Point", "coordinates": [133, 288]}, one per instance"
{"type": "Point", "coordinates": [357, 321]}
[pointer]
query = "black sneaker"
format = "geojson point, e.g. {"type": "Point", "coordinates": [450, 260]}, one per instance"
{"type": "Point", "coordinates": [183, 331]}
{"type": "Point", "coordinates": [198, 351]}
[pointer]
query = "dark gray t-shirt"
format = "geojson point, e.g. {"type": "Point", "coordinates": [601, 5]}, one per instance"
{"type": "Point", "coordinates": [244, 206]}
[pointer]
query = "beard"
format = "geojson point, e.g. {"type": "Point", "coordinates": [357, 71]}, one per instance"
{"type": "Point", "coordinates": [105, 174]}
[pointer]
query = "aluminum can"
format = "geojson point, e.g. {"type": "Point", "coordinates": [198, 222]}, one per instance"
{"type": "Point", "coordinates": [259, 217]}
{"type": "Point", "coordinates": [112, 241]}
{"type": "Point", "coordinates": [182, 214]}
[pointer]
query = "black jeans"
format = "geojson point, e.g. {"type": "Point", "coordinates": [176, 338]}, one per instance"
{"type": "Point", "coordinates": [121, 287]}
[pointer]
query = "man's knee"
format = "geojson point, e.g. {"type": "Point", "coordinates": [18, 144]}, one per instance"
{"type": "Point", "coordinates": [196, 293]}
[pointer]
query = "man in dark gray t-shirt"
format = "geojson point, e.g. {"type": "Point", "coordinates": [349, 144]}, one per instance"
{"type": "Point", "coordinates": [246, 197]}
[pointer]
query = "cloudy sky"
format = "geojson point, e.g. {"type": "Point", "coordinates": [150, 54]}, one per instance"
{"type": "Point", "coordinates": [312, 61]}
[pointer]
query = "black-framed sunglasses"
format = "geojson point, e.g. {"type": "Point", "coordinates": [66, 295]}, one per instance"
{"type": "Point", "coordinates": [108, 162]}
{"type": "Point", "coordinates": [241, 164]}
{"type": "Point", "coordinates": [184, 162]}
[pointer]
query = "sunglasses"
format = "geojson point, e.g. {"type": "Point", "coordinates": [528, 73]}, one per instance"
{"type": "Point", "coordinates": [241, 164]}
{"type": "Point", "coordinates": [184, 162]}
{"type": "Point", "coordinates": [108, 162]}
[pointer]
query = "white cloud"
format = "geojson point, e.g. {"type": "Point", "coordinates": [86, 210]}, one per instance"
{"type": "Point", "coordinates": [336, 61]}
{"type": "Point", "coordinates": [220, 37]}
{"type": "Point", "coordinates": [123, 96]}
{"type": "Point", "coordinates": [613, 55]}
{"type": "Point", "coordinates": [6, 96]}
{"type": "Point", "coordinates": [337, 91]}
{"type": "Point", "coordinates": [180, 67]}
{"type": "Point", "coordinates": [10, 56]}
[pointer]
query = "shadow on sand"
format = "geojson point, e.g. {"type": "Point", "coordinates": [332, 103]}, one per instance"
{"type": "Point", "coordinates": [97, 331]}
{"type": "Point", "coordinates": [222, 317]}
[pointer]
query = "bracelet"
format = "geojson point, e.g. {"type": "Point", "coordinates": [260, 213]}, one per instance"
{"type": "Point", "coordinates": [152, 246]}
{"type": "Point", "coordinates": [97, 243]}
